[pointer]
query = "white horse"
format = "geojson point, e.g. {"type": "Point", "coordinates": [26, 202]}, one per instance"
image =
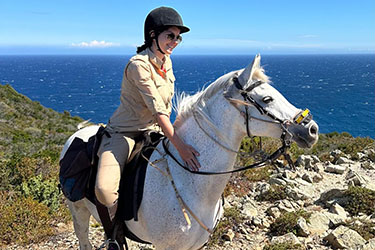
{"type": "Point", "coordinates": [214, 122]}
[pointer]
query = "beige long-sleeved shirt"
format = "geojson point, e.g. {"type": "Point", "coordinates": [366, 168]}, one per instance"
{"type": "Point", "coordinates": [147, 89]}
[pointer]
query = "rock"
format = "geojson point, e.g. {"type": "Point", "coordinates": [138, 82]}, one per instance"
{"type": "Point", "coordinates": [370, 245]}
{"type": "Point", "coordinates": [228, 236]}
{"type": "Point", "coordinates": [336, 153]}
{"type": "Point", "coordinates": [287, 238]}
{"type": "Point", "coordinates": [298, 193]}
{"type": "Point", "coordinates": [368, 165]}
{"type": "Point", "coordinates": [361, 156]}
{"type": "Point", "coordinates": [317, 177]}
{"type": "Point", "coordinates": [249, 210]}
{"type": "Point", "coordinates": [318, 223]}
{"type": "Point", "coordinates": [307, 161]}
{"type": "Point", "coordinates": [256, 221]}
{"type": "Point", "coordinates": [315, 159]}
{"type": "Point", "coordinates": [274, 212]}
{"type": "Point", "coordinates": [370, 154]}
{"type": "Point", "coordinates": [61, 225]}
{"type": "Point", "coordinates": [339, 210]}
{"type": "Point", "coordinates": [356, 179]}
{"type": "Point", "coordinates": [277, 181]}
{"type": "Point", "coordinates": [302, 228]}
{"type": "Point", "coordinates": [289, 174]}
{"type": "Point", "coordinates": [335, 219]}
{"type": "Point", "coordinates": [243, 230]}
{"type": "Point", "coordinates": [343, 237]}
{"type": "Point", "coordinates": [343, 160]}
{"type": "Point", "coordinates": [307, 177]}
{"type": "Point", "coordinates": [335, 169]}
{"type": "Point", "coordinates": [265, 223]}
{"type": "Point", "coordinates": [286, 206]}
{"type": "Point", "coordinates": [333, 196]}
{"type": "Point", "coordinates": [312, 177]}
{"type": "Point", "coordinates": [262, 188]}
{"type": "Point", "coordinates": [319, 167]}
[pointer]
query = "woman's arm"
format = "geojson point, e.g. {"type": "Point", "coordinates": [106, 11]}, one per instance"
{"type": "Point", "coordinates": [187, 152]}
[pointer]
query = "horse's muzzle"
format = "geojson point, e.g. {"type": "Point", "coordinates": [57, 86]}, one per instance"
{"type": "Point", "coordinates": [305, 135]}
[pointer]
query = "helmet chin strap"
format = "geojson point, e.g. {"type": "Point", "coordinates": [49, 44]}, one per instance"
{"type": "Point", "coordinates": [157, 44]}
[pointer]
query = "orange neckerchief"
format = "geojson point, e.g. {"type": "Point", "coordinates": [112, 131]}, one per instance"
{"type": "Point", "coordinates": [162, 72]}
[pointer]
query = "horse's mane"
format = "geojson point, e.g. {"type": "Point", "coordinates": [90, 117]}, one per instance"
{"type": "Point", "coordinates": [184, 103]}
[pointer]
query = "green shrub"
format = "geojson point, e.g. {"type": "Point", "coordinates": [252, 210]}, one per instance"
{"type": "Point", "coordinates": [284, 246]}
{"type": "Point", "coordinates": [17, 170]}
{"type": "Point", "coordinates": [44, 191]}
{"type": "Point", "coordinates": [258, 174]}
{"type": "Point", "coordinates": [359, 200]}
{"type": "Point", "coordinates": [275, 193]}
{"type": "Point", "coordinates": [287, 222]}
{"type": "Point", "coordinates": [23, 221]}
{"type": "Point", "coordinates": [232, 216]}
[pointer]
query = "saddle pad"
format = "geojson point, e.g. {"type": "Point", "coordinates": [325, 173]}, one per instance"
{"type": "Point", "coordinates": [133, 179]}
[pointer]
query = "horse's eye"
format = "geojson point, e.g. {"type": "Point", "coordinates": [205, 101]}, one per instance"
{"type": "Point", "coordinates": [267, 99]}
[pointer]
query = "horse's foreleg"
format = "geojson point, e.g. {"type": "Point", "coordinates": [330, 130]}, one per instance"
{"type": "Point", "coordinates": [81, 217]}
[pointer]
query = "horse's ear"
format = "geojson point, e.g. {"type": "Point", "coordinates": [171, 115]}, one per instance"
{"type": "Point", "coordinates": [245, 78]}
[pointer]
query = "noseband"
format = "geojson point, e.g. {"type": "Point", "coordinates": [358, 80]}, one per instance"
{"type": "Point", "coordinates": [302, 117]}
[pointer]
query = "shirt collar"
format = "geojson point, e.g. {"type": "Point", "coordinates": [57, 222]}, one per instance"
{"type": "Point", "coordinates": [156, 61]}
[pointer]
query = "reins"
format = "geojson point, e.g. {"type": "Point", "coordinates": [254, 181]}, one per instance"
{"type": "Point", "coordinates": [285, 137]}
{"type": "Point", "coordinates": [271, 158]}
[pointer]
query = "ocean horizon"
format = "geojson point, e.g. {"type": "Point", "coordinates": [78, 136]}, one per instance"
{"type": "Point", "coordinates": [338, 89]}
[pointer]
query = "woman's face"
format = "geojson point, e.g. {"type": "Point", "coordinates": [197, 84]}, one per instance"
{"type": "Point", "coordinates": [169, 39]}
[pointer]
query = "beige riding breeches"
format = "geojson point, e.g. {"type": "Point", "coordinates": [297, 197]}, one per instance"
{"type": "Point", "coordinates": [113, 154]}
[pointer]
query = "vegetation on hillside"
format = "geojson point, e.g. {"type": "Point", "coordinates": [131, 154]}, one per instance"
{"type": "Point", "coordinates": [32, 136]}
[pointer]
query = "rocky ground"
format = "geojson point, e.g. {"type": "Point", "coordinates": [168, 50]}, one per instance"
{"type": "Point", "coordinates": [316, 187]}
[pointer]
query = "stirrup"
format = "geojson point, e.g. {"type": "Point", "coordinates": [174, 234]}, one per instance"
{"type": "Point", "coordinates": [110, 245]}
{"type": "Point", "coordinates": [113, 245]}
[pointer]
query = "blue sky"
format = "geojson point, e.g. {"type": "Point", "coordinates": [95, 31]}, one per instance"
{"type": "Point", "coordinates": [217, 27]}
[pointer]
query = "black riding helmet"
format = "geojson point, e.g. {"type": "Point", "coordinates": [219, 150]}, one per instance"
{"type": "Point", "coordinates": [159, 20]}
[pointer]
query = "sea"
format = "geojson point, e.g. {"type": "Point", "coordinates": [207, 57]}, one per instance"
{"type": "Point", "coordinates": [339, 90]}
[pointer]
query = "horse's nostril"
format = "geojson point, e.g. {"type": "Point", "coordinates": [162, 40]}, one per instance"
{"type": "Point", "coordinates": [313, 129]}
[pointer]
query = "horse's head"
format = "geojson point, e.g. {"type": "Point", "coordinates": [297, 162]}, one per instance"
{"type": "Point", "coordinates": [266, 111]}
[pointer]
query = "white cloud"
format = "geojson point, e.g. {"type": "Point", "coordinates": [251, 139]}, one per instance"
{"type": "Point", "coordinates": [95, 44]}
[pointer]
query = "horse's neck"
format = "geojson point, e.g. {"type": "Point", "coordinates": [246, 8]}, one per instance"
{"type": "Point", "coordinates": [213, 156]}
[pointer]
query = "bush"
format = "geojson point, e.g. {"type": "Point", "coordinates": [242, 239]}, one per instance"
{"type": "Point", "coordinates": [287, 222]}
{"type": "Point", "coordinates": [258, 174]}
{"type": "Point", "coordinates": [284, 246]}
{"type": "Point", "coordinates": [17, 170]}
{"type": "Point", "coordinates": [359, 200]}
{"type": "Point", "coordinates": [23, 220]}
{"type": "Point", "coordinates": [232, 216]}
{"type": "Point", "coordinates": [44, 191]}
{"type": "Point", "coordinates": [275, 193]}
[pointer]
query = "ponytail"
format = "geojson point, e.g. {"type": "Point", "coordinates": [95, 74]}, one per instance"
{"type": "Point", "coordinates": [145, 45]}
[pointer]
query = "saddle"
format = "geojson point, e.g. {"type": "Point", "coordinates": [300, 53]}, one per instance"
{"type": "Point", "coordinates": [131, 185]}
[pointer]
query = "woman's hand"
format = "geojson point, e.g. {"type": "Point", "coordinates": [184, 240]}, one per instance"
{"type": "Point", "coordinates": [189, 156]}
{"type": "Point", "coordinates": [187, 152]}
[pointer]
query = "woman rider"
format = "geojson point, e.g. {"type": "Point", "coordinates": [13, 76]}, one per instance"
{"type": "Point", "coordinates": [146, 103]}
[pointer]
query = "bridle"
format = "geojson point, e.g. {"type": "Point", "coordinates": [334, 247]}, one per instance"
{"type": "Point", "coordinates": [286, 136]}
{"type": "Point", "coordinates": [301, 118]}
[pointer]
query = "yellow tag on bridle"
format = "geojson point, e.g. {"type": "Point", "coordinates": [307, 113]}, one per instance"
{"type": "Point", "coordinates": [302, 116]}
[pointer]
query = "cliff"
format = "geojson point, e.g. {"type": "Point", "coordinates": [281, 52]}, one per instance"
{"type": "Point", "coordinates": [328, 202]}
